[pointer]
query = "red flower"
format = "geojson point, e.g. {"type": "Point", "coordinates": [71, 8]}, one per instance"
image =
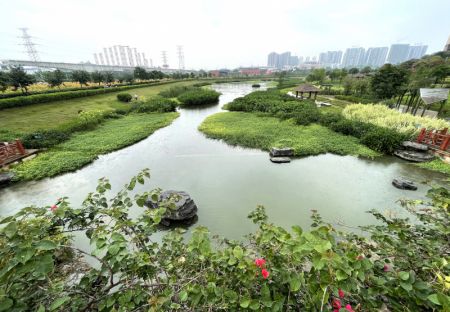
{"type": "Point", "coordinates": [360, 257]}
{"type": "Point", "coordinates": [260, 262]}
{"type": "Point", "coordinates": [336, 303]}
{"type": "Point", "coordinates": [265, 273]}
{"type": "Point", "coordinates": [386, 268]}
{"type": "Point", "coordinates": [349, 308]}
{"type": "Point", "coordinates": [53, 208]}
{"type": "Point", "coordinates": [341, 293]}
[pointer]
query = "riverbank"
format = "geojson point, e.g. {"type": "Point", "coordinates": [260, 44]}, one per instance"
{"type": "Point", "coordinates": [17, 122]}
{"type": "Point", "coordinates": [84, 147]}
{"type": "Point", "coordinates": [251, 130]}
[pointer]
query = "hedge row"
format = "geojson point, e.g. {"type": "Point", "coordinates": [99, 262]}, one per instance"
{"type": "Point", "coordinates": [355, 99]}
{"type": "Point", "coordinates": [51, 97]}
{"type": "Point", "coordinates": [16, 94]}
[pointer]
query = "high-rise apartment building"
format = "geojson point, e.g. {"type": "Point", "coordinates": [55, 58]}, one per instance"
{"type": "Point", "coordinates": [398, 53]}
{"type": "Point", "coordinates": [282, 60]}
{"type": "Point", "coordinates": [330, 58]}
{"type": "Point", "coordinates": [417, 51]}
{"type": "Point", "coordinates": [120, 55]}
{"type": "Point", "coordinates": [447, 45]}
{"type": "Point", "coordinates": [272, 60]}
{"type": "Point", "coordinates": [353, 57]}
{"type": "Point", "coordinates": [376, 56]}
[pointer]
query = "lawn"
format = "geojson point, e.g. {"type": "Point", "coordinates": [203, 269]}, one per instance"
{"type": "Point", "coordinates": [84, 147]}
{"type": "Point", "coordinates": [251, 130]}
{"type": "Point", "coordinates": [50, 115]}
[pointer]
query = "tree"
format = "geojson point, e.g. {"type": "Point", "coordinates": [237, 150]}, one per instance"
{"type": "Point", "coordinates": [335, 74]}
{"type": "Point", "coordinates": [127, 77]}
{"type": "Point", "coordinates": [97, 77]}
{"type": "Point", "coordinates": [366, 70]}
{"type": "Point", "coordinates": [109, 78]}
{"type": "Point", "coordinates": [353, 71]}
{"type": "Point", "coordinates": [317, 74]}
{"type": "Point", "coordinates": [140, 73]}
{"type": "Point", "coordinates": [343, 74]}
{"type": "Point", "coordinates": [440, 72]}
{"type": "Point", "coordinates": [388, 81]}
{"type": "Point", "coordinates": [4, 81]}
{"type": "Point", "coordinates": [81, 76]}
{"type": "Point", "coordinates": [55, 78]}
{"type": "Point", "coordinates": [18, 78]}
{"type": "Point", "coordinates": [348, 85]}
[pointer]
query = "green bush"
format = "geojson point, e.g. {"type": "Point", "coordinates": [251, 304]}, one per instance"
{"type": "Point", "coordinates": [175, 91]}
{"type": "Point", "coordinates": [124, 97]}
{"type": "Point", "coordinates": [256, 85]}
{"type": "Point", "coordinates": [44, 139]}
{"type": "Point", "coordinates": [160, 105]}
{"type": "Point", "coordinates": [382, 139]}
{"type": "Point", "coordinates": [395, 265]}
{"type": "Point", "coordinates": [198, 97]}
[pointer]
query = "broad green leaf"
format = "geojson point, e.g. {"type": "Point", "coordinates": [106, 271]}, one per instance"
{"type": "Point", "coordinates": [295, 284]}
{"type": "Point", "coordinates": [59, 302]}
{"type": "Point", "coordinates": [41, 308]}
{"type": "Point", "coordinates": [238, 252]}
{"type": "Point", "coordinates": [434, 298]}
{"type": "Point", "coordinates": [322, 246]}
{"type": "Point", "coordinates": [254, 305]}
{"type": "Point", "coordinates": [341, 275]}
{"type": "Point", "coordinates": [46, 245]}
{"type": "Point", "coordinates": [406, 286]}
{"type": "Point", "coordinates": [10, 230]}
{"type": "Point", "coordinates": [404, 275]}
{"type": "Point", "coordinates": [245, 302]}
{"type": "Point", "coordinates": [183, 296]}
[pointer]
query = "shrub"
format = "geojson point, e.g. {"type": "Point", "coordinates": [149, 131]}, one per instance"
{"type": "Point", "coordinates": [382, 139]}
{"type": "Point", "coordinates": [44, 138]}
{"type": "Point", "coordinates": [160, 105]}
{"type": "Point", "coordinates": [199, 97]}
{"type": "Point", "coordinates": [395, 265]}
{"type": "Point", "coordinates": [256, 85]}
{"type": "Point", "coordinates": [382, 116]}
{"type": "Point", "coordinates": [124, 97]}
{"type": "Point", "coordinates": [175, 91]}
{"type": "Point", "coordinates": [201, 84]}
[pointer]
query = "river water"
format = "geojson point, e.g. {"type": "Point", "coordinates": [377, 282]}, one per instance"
{"type": "Point", "coordinates": [228, 182]}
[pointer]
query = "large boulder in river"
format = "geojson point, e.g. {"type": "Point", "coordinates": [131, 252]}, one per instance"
{"type": "Point", "coordinates": [413, 155]}
{"type": "Point", "coordinates": [6, 178]}
{"type": "Point", "coordinates": [404, 184]}
{"type": "Point", "coordinates": [280, 160]}
{"type": "Point", "coordinates": [281, 152]}
{"type": "Point", "coordinates": [185, 207]}
{"type": "Point", "coordinates": [415, 146]}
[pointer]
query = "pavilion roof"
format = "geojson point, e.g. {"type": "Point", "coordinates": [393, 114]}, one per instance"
{"type": "Point", "coordinates": [307, 88]}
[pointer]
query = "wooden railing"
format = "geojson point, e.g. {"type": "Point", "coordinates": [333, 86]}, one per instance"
{"type": "Point", "coordinates": [438, 139]}
{"type": "Point", "coordinates": [10, 151]}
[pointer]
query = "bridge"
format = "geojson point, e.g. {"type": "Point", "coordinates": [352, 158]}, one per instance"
{"type": "Point", "coordinates": [7, 64]}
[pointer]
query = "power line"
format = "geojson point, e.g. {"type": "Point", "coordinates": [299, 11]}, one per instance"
{"type": "Point", "coordinates": [29, 46]}
{"type": "Point", "coordinates": [180, 57]}
{"type": "Point", "coordinates": [164, 59]}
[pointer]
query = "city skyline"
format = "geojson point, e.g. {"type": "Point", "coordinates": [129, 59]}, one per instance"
{"type": "Point", "coordinates": [223, 42]}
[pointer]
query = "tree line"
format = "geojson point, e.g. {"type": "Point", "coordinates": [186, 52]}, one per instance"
{"type": "Point", "coordinates": [18, 79]}
{"type": "Point", "coordinates": [389, 80]}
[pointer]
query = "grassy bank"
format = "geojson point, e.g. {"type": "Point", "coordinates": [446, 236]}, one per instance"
{"type": "Point", "coordinates": [84, 147]}
{"type": "Point", "coordinates": [436, 165]}
{"type": "Point", "coordinates": [15, 122]}
{"type": "Point", "coordinates": [250, 130]}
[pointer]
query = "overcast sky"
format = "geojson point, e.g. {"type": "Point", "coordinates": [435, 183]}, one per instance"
{"type": "Point", "coordinates": [217, 34]}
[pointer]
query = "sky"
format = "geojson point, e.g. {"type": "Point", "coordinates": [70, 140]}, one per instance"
{"type": "Point", "coordinates": [218, 34]}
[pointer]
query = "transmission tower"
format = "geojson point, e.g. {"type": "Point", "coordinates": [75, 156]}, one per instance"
{"type": "Point", "coordinates": [180, 57]}
{"type": "Point", "coordinates": [164, 59]}
{"type": "Point", "coordinates": [29, 46]}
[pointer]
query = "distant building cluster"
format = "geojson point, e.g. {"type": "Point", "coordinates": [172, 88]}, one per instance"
{"type": "Point", "coordinates": [119, 55]}
{"type": "Point", "coordinates": [352, 57]}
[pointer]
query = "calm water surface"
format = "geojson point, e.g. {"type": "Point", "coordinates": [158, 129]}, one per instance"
{"type": "Point", "coordinates": [228, 182]}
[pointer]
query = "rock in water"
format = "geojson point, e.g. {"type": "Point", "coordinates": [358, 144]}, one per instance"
{"type": "Point", "coordinates": [404, 184]}
{"type": "Point", "coordinates": [6, 178]}
{"type": "Point", "coordinates": [415, 146]}
{"type": "Point", "coordinates": [185, 209]}
{"type": "Point", "coordinates": [413, 156]}
{"type": "Point", "coordinates": [280, 160]}
{"type": "Point", "coordinates": [281, 152]}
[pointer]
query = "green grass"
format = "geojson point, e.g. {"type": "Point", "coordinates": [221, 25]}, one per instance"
{"type": "Point", "coordinates": [84, 147]}
{"type": "Point", "coordinates": [251, 130]}
{"type": "Point", "coordinates": [436, 165]}
{"type": "Point", "coordinates": [14, 122]}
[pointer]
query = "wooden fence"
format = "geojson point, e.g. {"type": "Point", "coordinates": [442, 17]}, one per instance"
{"type": "Point", "coordinates": [437, 139]}
{"type": "Point", "coordinates": [11, 151]}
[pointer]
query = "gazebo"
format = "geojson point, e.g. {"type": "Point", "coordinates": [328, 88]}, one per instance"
{"type": "Point", "coordinates": [306, 88]}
